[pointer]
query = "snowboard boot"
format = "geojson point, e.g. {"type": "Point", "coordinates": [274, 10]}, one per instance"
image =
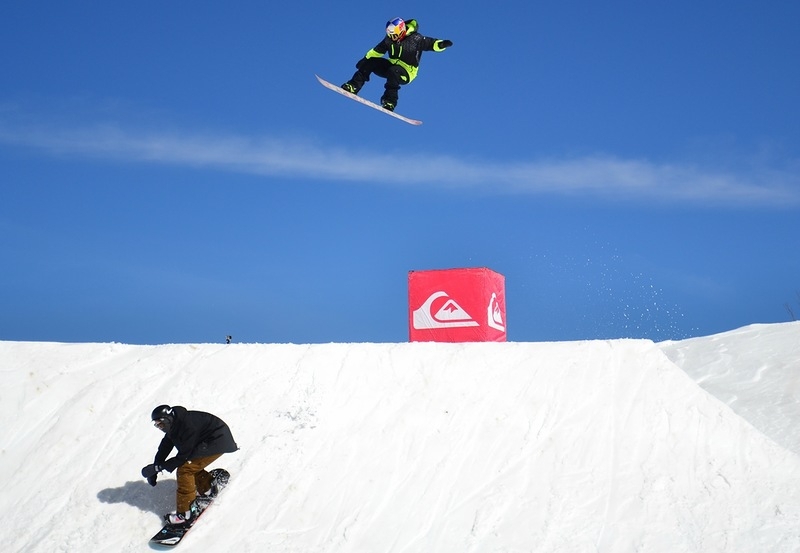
{"type": "Point", "coordinates": [180, 519]}
{"type": "Point", "coordinates": [387, 104]}
{"type": "Point", "coordinates": [202, 501]}
{"type": "Point", "coordinates": [350, 87]}
{"type": "Point", "coordinates": [187, 518]}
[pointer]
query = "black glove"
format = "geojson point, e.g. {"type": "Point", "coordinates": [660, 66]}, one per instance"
{"type": "Point", "coordinates": [445, 43]}
{"type": "Point", "coordinates": [361, 63]}
{"type": "Point", "coordinates": [151, 480]}
{"type": "Point", "coordinates": [150, 470]}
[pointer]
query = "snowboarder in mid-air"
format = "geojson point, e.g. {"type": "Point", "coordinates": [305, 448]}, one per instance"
{"type": "Point", "coordinates": [404, 46]}
{"type": "Point", "coordinates": [200, 438]}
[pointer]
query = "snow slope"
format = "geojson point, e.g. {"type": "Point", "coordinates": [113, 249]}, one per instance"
{"type": "Point", "coordinates": [755, 370]}
{"type": "Point", "coordinates": [597, 446]}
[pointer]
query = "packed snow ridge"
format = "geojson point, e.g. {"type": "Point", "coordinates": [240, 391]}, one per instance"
{"type": "Point", "coordinates": [594, 446]}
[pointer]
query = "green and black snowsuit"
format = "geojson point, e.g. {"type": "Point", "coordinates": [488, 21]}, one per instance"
{"type": "Point", "coordinates": [402, 64]}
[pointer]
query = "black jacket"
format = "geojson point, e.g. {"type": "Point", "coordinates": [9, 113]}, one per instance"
{"type": "Point", "coordinates": [407, 52]}
{"type": "Point", "coordinates": [195, 434]}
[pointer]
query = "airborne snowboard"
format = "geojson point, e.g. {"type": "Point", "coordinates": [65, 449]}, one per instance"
{"type": "Point", "coordinates": [172, 534]}
{"type": "Point", "coordinates": [357, 98]}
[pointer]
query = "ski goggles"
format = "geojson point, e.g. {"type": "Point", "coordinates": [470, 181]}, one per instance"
{"type": "Point", "coordinates": [162, 424]}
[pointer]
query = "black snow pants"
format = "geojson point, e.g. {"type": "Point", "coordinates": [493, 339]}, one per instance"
{"type": "Point", "coordinates": [395, 76]}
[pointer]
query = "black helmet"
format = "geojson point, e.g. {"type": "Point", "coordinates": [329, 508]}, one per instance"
{"type": "Point", "coordinates": [163, 416]}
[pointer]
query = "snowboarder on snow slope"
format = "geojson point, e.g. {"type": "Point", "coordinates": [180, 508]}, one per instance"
{"type": "Point", "coordinates": [404, 46]}
{"type": "Point", "coordinates": [200, 438]}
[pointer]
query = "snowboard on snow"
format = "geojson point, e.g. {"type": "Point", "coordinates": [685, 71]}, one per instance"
{"type": "Point", "coordinates": [172, 534]}
{"type": "Point", "coordinates": [357, 98]}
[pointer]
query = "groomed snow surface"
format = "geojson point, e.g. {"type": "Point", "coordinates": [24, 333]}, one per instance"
{"type": "Point", "coordinates": [597, 446]}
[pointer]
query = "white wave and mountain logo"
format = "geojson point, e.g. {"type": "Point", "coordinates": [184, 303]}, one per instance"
{"type": "Point", "coordinates": [494, 314]}
{"type": "Point", "coordinates": [452, 315]}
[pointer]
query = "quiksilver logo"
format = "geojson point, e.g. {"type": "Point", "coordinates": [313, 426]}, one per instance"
{"type": "Point", "coordinates": [494, 315]}
{"type": "Point", "coordinates": [448, 315]}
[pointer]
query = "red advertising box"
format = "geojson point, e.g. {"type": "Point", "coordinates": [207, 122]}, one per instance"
{"type": "Point", "coordinates": [456, 305]}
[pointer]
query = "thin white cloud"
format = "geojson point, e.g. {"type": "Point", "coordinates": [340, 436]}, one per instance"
{"type": "Point", "coordinates": [602, 177]}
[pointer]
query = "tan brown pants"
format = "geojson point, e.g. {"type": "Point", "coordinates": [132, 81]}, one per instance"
{"type": "Point", "coordinates": [193, 479]}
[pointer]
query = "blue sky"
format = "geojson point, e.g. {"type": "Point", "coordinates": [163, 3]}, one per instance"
{"type": "Point", "coordinates": [174, 172]}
